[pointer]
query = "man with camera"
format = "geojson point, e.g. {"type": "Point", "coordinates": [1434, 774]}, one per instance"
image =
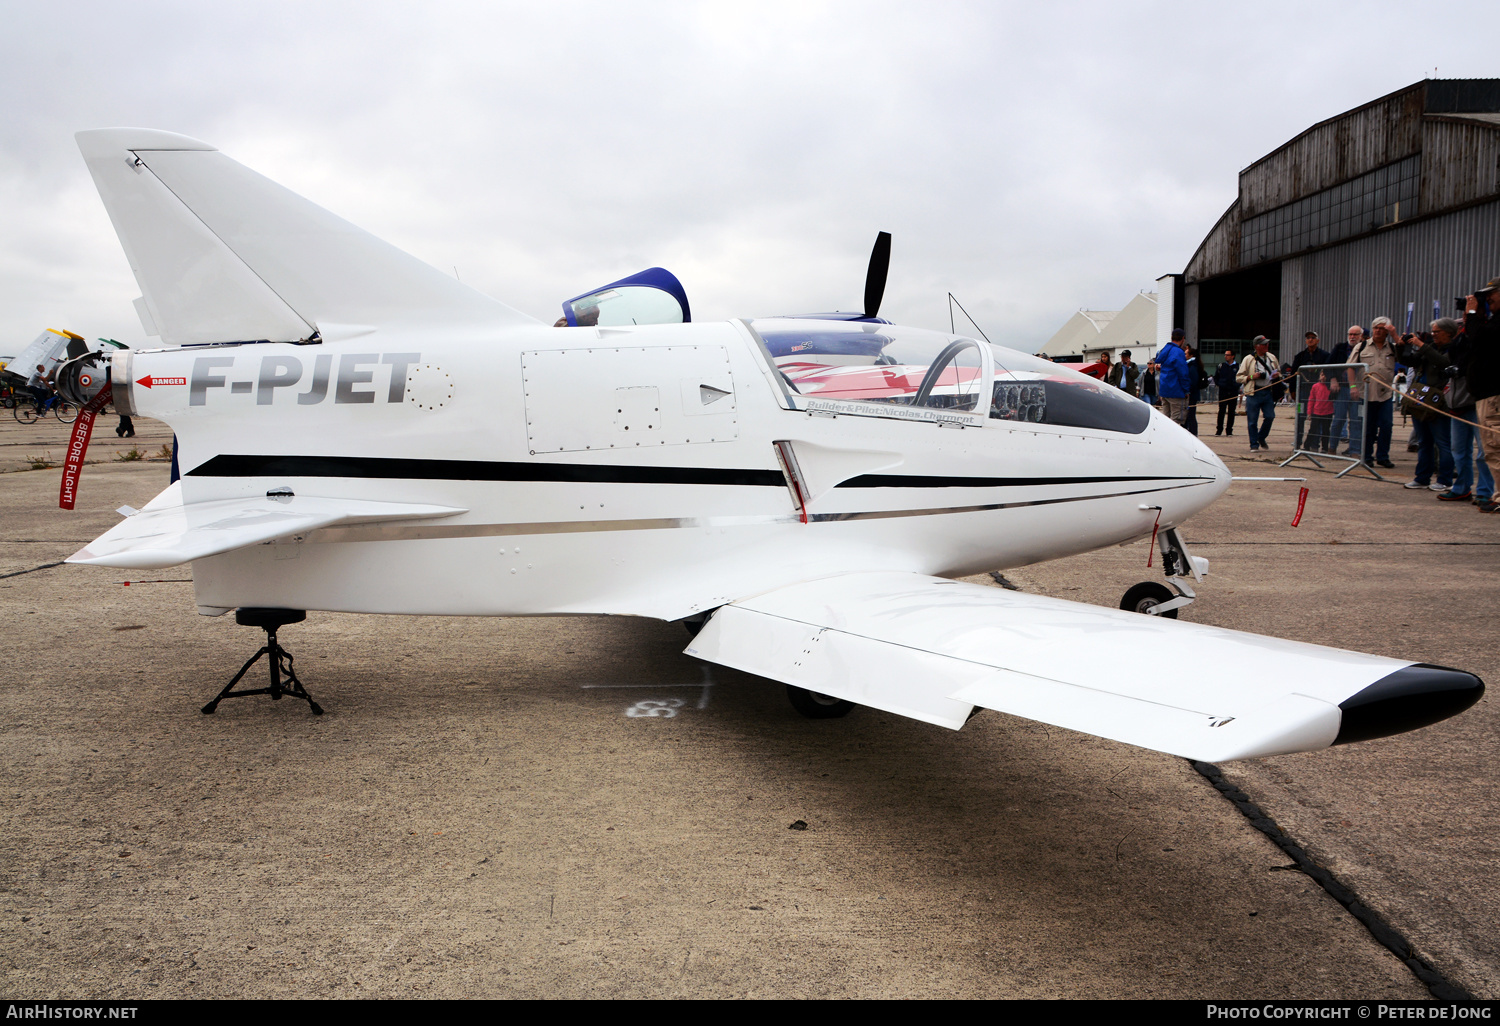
{"type": "Point", "coordinates": [1482, 327]}
{"type": "Point", "coordinates": [1259, 377]}
{"type": "Point", "coordinates": [1125, 375]}
{"type": "Point", "coordinates": [1472, 479]}
{"type": "Point", "coordinates": [1429, 363]}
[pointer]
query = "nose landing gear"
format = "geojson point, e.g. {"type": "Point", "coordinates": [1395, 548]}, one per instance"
{"type": "Point", "coordinates": [1156, 599]}
{"type": "Point", "coordinates": [1146, 596]}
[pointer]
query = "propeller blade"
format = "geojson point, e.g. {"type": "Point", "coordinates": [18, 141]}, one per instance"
{"type": "Point", "coordinates": [880, 264]}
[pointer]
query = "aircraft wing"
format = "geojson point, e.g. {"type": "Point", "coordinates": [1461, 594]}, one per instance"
{"type": "Point", "coordinates": [933, 649]}
{"type": "Point", "coordinates": [168, 532]}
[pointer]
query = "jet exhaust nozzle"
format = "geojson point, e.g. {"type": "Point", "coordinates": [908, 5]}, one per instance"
{"type": "Point", "coordinates": [80, 378]}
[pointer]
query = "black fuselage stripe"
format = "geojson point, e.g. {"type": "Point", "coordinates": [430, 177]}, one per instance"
{"type": "Point", "coordinates": [384, 467]}
{"type": "Point", "coordinates": [389, 468]}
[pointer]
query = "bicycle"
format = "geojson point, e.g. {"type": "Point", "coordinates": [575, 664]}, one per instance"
{"type": "Point", "coordinates": [29, 412]}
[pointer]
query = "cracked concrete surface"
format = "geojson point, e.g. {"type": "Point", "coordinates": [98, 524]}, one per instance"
{"type": "Point", "coordinates": [470, 820]}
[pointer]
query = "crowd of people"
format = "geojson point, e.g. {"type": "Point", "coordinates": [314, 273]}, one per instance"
{"type": "Point", "coordinates": [1445, 381]}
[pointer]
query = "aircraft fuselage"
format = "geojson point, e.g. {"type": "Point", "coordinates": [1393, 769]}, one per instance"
{"type": "Point", "coordinates": [622, 471]}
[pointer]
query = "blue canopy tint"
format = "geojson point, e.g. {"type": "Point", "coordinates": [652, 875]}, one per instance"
{"type": "Point", "coordinates": [652, 296]}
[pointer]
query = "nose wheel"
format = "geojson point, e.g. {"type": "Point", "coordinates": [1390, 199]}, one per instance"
{"type": "Point", "coordinates": [1147, 596]}
{"type": "Point", "coordinates": [1181, 567]}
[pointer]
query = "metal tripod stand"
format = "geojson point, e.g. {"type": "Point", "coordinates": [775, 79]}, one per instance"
{"type": "Point", "coordinates": [283, 678]}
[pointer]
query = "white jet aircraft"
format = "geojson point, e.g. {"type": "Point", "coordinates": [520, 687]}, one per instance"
{"type": "Point", "coordinates": [360, 432]}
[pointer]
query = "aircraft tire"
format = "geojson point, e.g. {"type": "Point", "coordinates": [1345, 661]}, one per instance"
{"type": "Point", "coordinates": [1143, 596]}
{"type": "Point", "coordinates": [815, 706]}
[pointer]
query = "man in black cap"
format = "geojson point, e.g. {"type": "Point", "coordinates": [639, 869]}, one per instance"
{"type": "Point", "coordinates": [1313, 355]}
{"type": "Point", "coordinates": [1125, 374]}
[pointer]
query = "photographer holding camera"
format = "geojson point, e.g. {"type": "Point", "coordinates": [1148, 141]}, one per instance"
{"type": "Point", "coordinates": [1260, 381]}
{"type": "Point", "coordinates": [1482, 327]}
{"type": "Point", "coordinates": [1429, 362]}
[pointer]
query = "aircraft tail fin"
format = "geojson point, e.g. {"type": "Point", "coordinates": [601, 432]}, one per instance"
{"type": "Point", "coordinates": [223, 253]}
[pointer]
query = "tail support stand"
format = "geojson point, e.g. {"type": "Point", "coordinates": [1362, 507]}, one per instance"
{"type": "Point", "coordinates": [283, 678]}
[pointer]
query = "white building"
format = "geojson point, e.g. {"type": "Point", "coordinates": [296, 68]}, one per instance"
{"type": "Point", "coordinates": [1091, 334]}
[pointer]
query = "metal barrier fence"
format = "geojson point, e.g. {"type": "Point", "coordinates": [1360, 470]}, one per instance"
{"type": "Point", "coordinates": [1333, 412]}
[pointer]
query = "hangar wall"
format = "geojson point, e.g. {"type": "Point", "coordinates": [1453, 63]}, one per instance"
{"type": "Point", "coordinates": [1394, 202]}
{"type": "Point", "coordinates": [1438, 259]}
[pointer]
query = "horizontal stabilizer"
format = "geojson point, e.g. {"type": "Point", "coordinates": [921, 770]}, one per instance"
{"type": "Point", "coordinates": [933, 649]}
{"type": "Point", "coordinates": [167, 532]}
{"type": "Point", "coordinates": [224, 254]}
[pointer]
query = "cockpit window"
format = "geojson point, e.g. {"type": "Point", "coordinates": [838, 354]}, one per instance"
{"type": "Point", "coordinates": [1034, 391]}
{"type": "Point", "coordinates": [654, 296]}
{"type": "Point", "coordinates": [896, 366]}
{"type": "Point", "coordinates": [611, 308]}
{"type": "Point", "coordinates": [875, 363]}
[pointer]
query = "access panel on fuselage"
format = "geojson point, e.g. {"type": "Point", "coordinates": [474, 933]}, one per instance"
{"type": "Point", "coordinates": [628, 397]}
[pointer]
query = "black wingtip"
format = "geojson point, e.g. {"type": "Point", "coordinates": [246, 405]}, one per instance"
{"type": "Point", "coordinates": [1414, 696]}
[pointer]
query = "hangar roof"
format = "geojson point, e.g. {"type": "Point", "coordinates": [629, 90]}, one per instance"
{"type": "Point", "coordinates": [1431, 147]}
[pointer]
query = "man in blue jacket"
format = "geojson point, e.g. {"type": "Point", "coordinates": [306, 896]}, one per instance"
{"type": "Point", "coordinates": [1173, 377]}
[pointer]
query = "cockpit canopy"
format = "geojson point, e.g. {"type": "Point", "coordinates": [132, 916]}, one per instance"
{"type": "Point", "coordinates": [860, 361]}
{"type": "Point", "coordinates": [864, 361]}
{"type": "Point", "coordinates": [653, 296]}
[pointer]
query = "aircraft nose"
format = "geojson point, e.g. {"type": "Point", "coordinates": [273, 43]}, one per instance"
{"type": "Point", "coordinates": [1206, 456]}
{"type": "Point", "coordinates": [1201, 459]}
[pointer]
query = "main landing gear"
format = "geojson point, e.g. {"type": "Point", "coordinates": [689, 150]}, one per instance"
{"type": "Point", "coordinates": [279, 658]}
{"type": "Point", "coordinates": [1156, 599]}
{"type": "Point", "coordinates": [817, 706]}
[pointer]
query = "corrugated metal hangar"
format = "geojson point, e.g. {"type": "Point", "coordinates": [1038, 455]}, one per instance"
{"type": "Point", "coordinates": [1390, 207]}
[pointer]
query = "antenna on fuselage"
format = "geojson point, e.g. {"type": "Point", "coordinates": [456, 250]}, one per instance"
{"type": "Point", "coordinates": [952, 302]}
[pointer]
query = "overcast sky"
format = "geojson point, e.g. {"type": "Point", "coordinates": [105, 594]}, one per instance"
{"type": "Point", "coordinates": [1030, 158]}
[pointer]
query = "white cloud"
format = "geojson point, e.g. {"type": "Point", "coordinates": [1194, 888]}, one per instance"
{"type": "Point", "coordinates": [1031, 159]}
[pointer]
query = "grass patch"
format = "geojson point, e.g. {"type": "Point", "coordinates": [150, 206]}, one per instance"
{"type": "Point", "coordinates": [130, 455]}
{"type": "Point", "coordinates": [164, 453]}
{"type": "Point", "coordinates": [42, 462]}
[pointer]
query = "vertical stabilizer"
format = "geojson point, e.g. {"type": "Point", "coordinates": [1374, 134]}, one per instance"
{"type": "Point", "coordinates": [223, 253]}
